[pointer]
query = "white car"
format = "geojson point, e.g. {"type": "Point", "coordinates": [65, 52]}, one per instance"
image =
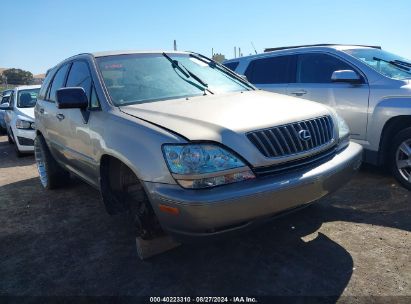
{"type": "Point", "coordinates": [19, 118]}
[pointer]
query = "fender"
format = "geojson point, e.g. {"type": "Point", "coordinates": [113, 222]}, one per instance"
{"type": "Point", "coordinates": [386, 109]}
{"type": "Point", "coordinates": [137, 145]}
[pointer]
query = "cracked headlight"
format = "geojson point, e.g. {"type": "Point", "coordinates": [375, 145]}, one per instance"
{"type": "Point", "coordinates": [204, 165]}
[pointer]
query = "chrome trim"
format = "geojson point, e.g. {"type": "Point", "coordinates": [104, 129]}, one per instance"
{"type": "Point", "coordinates": [211, 174]}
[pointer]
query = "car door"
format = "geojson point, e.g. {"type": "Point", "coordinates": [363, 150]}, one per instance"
{"type": "Point", "coordinates": [272, 73]}
{"type": "Point", "coordinates": [48, 122]}
{"type": "Point", "coordinates": [74, 127]}
{"type": "Point", "coordinates": [8, 113]}
{"type": "Point", "coordinates": [313, 82]}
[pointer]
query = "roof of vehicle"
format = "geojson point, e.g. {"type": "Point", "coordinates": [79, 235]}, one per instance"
{"type": "Point", "coordinates": [331, 45]}
{"type": "Point", "coordinates": [317, 47]}
{"type": "Point", "coordinates": [124, 52]}
{"type": "Point", "coordinates": [27, 87]}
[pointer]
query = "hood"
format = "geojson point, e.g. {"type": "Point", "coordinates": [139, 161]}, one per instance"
{"type": "Point", "coordinates": [225, 118]}
{"type": "Point", "coordinates": [210, 117]}
{"type": "Point", "coordinates": [26, 112]}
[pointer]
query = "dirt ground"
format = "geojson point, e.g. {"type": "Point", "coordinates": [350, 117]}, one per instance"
{"type": "Point", "coordinates": [352, 244]}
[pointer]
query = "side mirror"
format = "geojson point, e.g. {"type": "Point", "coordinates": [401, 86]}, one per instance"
{"type": "Point", "coordinates": [346, 76]}
{"type": "Point", "coordinates": [72, 98]}
{"type": "Point", "coordinates": [5, 106]}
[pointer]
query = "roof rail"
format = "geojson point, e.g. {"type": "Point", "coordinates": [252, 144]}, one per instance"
{"type": "Point", "coordinates": [321, 44]}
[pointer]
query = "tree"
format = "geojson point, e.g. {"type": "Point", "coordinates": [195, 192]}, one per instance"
{"type": "Point", "coordinates": [18, 76]}
{"type": "Point", "coordinates": [218, 57]}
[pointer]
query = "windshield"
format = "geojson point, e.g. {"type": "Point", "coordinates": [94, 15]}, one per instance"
{"type": "Point", "coordinates": [27, 98]}
{"type": "Point", "coordinates": [142, 78]}
{"type": "Point", "coordinates": [388, 64]}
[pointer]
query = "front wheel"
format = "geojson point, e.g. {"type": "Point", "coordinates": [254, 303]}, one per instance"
{"type": "Point", "coordinates": [51, 174]}
{"type": "Point", "coordinates": [400, 158]}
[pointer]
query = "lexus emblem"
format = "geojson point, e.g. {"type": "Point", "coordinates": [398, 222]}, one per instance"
{"type": "Point", "coordinates": [304, 135]}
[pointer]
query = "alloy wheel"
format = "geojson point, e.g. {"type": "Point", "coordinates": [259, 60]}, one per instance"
{"type": "Point", "coordinates": [41, 166]}
{"type": "Point", "coordinates": [403, 160]}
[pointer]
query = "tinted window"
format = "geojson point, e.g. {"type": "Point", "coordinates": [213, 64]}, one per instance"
{"type": "Point", "coordinates": [45, 85]}
{"type": "Point", "coordinates": [94, 102]}
{"type": "Point", "coordinates": [232, 65]}
{"type": "Point", "coordinates": [79, 76]}
{"type": "Point", "coordinates": [271, 70]}
{"type": "Point", "coordinates": [318, 68]}
{"type": "Point", "coordinates": [58, 82]}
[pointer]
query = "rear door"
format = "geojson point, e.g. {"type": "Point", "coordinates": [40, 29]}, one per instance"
{"type": "Point", "coordinates": [47, 113]}
{"type": "Point", "coordinates": [313, 82]}
{"type": "Point", "coordinates": [272, 73]}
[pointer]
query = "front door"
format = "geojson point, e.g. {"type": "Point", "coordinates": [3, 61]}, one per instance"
{"type": "Point", "coordinates": [313, 82]}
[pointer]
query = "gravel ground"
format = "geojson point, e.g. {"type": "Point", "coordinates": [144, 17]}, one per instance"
{"type": "Point", "coordinates": [352, 244]}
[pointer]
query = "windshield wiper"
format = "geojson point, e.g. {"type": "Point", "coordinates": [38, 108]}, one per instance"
{"type": "Point", "coordinates": [221, 68]}
{"type": "Point", "coordinates": [187, 73]}
{"type": "Point", "coordinates": [394, 63]}
{"type": "Point", "coordinates": [403, 63]}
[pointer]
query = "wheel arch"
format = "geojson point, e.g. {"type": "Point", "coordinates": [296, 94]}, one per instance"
{"type": "Point", "coordinates": [390, 129]}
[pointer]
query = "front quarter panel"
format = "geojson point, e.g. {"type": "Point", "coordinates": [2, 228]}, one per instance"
{"type": "Point", "coordinates": [386, 109]}
{"type": "Point", "coordinates": [133, 141]}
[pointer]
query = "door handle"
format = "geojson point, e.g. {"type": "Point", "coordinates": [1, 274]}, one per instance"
{"type": "Point", "coordinates": [60, 117]}
{"type": "Point", "coordinates": [41, 110]}
{"type": "Point", "coordinates": [299, 92]}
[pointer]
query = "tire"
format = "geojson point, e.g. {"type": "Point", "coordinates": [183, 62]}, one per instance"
{"type": "Point", "coordinates": [51, 174]}
{"type": "Point", "coordinates": [400, 158]}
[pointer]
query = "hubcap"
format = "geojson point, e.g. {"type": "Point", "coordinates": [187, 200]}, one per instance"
{"type": "Point", "coordinates": [403, 160]}
{"type": "Point", "coordinates": [41, 167]}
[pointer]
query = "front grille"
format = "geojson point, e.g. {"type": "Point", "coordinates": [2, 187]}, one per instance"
{"type": "Point", "coordinates": [25, 141]}
{"type": "Point", "coordinates": [287, 139]}
{"type": "Point", "coordinates": [299, 164]}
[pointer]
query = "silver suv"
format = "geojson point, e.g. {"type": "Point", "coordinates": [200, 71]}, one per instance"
{"type": "Point", "coordinates": [370, 88]}
{"type": "Point", "coordinates": [183, 144]}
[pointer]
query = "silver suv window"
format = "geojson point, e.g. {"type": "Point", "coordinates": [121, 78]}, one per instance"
{"type": "Point", "coordinates": [269, 70]}
{"type": "Point", "coordinates": [142, 78]}
{"type": "Point", "coordinates": [385, 63]}
{"type": "Point", "coordinates": [318, 68]}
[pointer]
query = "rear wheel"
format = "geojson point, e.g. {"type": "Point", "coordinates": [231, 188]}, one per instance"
{"type": "Point", "coordinates": [400, 157]}
{"type": "Point", "coordinates": [50, 173]}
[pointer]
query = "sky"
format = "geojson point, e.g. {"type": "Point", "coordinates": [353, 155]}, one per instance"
{"type": "Point", "coordinates": [37, 34]}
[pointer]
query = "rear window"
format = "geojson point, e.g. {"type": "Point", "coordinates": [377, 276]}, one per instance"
{"type": "Point", "coordinates": [232, 65]}
{"type": "Point", "coordinates": [272, 70]}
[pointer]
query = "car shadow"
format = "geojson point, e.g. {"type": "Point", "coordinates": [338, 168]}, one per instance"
{"type": "Point", "coordinates": [62, 242]}
{"type": "Point", "coordinates": [8, 157]}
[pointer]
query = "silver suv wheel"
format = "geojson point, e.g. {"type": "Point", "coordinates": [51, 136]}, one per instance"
{"type": "Point", "coordinates": [41, 167]}
{"type": "Point", "coordinates": [403, 159]}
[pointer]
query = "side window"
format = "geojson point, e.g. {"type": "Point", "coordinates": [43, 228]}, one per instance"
{"type": "Point", "coordinates": [58, 82]}
{"type": "Point", "coordinates": [45, 85]}
{"type": "Point", "coordinates": [79, 76]}
{"type": "Point", "coordinates": [94, 102]}
{"type": "Point", "coordinates": [318, 68]}
{"type": "Point", "coordinates": [232, 65]}
{"type": "Point", "coordinates": [272, 70]}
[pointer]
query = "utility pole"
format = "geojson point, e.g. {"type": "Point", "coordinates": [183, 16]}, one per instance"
{"type": "Point", "coordinates": [175, 45]}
